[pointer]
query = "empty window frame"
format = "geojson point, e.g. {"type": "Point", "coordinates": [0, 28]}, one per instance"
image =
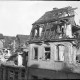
{"type": "Point", "coordinates": [35, 53]}
{"type": "Point", "coordinates": [47, 53]}
{"type": "Point", "coordinates": [36, 32]}
{"type": "Point", "coordinates": [59, 55]}
{"type": "Point", "coordinates": [40, 31]}
{"type": "Point", "coordinates": [60, 29]}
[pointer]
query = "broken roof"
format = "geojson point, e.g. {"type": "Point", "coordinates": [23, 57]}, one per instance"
{"type": "Point", "coordinates": [8, 40]}
{"type": "Point", "coordinates": [53, 15]}
{"type": "Point", "coordinates": [23, 38]}
{"type": "Point", "coordinates": [1, 36]}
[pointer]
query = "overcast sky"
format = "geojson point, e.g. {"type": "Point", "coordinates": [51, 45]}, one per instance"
{"type": "Point", "coordinates": [16, 17]}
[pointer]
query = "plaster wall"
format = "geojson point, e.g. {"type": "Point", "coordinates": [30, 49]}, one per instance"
{"type": "Point", "coordinates": [50, 64]}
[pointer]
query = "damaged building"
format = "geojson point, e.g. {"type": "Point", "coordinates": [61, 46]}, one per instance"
{"type": "Point", "coordinates": [54, 50]}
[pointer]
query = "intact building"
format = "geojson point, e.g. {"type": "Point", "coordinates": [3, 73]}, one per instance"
{"type": "Point", "coordinates": [54, 46]}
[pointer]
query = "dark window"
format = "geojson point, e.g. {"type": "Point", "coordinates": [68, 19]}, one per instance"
{"type": "Point", "coordinates": [35, 53]}
{"type": "Point", "coordinates": [6, 51]}
{"type": "Point", "coordinates": [47, 53]}
{"type": "Point", "coordinates": [47, 49]}
{"type": "Point", "coordinates": [78, 58]}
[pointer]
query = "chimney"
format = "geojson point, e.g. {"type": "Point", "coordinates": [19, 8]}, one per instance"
{"type": "Point", "coordinates": [55, 8]}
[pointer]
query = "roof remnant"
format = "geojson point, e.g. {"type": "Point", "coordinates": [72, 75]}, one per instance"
{"type": "Point", "coordinates": [8, 40]}
{"type": "Point", "coordinates": [22, 38]}
{"type": "Point", "coordinates": [54, 14]}
{"type": "Point", "coordinates": [58, 24]}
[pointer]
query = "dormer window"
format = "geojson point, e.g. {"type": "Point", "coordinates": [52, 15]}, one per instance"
{"type": "Point", "coordinates": [60, 30]}
{"type": "Point", "coordinates": [36, 32]}
{"type": "Point", "coordinates": [69, 31]}
{"type": "Point", "coordinates": [40, 31]}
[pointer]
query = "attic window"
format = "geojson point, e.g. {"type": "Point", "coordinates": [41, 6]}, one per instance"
{"type": "Point", "coordinates": [69, 31]}
{"type": "Point", "coordinates": [36, 32]}
{"type": "Point", "coordinates": [40, 31]}
{"type": "Point", "coordinates": [60, 30]}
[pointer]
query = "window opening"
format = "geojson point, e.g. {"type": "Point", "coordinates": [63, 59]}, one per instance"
{"type": "Point", "coordinates": [78, 58]}
{"type": "Point", "coordinates": [35, 53]}
{"type": "Point", "coordinates": [40, 31]}
{"type": "Point", "coordinates": [36, 32]}
{"type": "Point", "coordinates": [69, 31]}
{"type": "Point", "coordinates": [47, 53]}
{"type": "Point", "coordinates": [60, 53]}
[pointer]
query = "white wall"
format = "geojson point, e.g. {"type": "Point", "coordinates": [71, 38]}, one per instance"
{"type": "Point", "coordinates": [20, 59]}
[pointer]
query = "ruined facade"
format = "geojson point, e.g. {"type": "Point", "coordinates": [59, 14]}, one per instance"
{"type": "Point", "coordinates": [54, 25]}
{"type": "Point", "coordinates": [55, 44]}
